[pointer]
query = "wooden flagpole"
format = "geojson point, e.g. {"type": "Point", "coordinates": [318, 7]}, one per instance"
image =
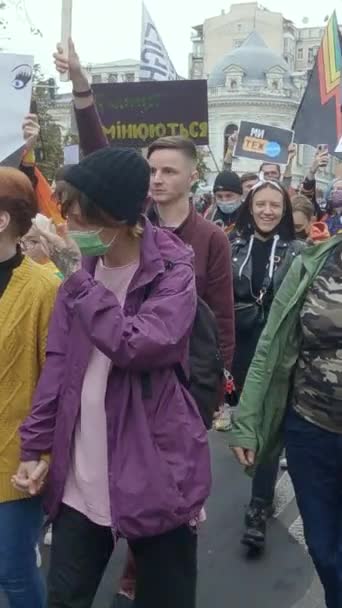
{"type": "Point", "coordinates": [66, 31]}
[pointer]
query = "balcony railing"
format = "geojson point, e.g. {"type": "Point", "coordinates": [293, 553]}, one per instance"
{"type": "Point", "coordinates": [253, 91]}
{"type": "Point", "coordinates": [196, 37]}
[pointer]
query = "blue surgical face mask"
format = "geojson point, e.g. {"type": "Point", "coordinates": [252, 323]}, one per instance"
{"type": "Point", "coordinates": [90, 242]}
{"type": "Point", "coordinates": [228, 208]}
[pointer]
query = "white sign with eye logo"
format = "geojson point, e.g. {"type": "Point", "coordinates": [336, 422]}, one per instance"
{"type": "Point", "coordinates": [15, 96]}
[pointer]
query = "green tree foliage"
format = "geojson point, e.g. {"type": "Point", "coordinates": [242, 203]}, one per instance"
{"type": "Point", "coordinates": [3, 20]}
{"type": "Point", "coordinates": [202, 168]}
{"type": "Point", "coordinates": [18, 6]}
{"type": "Point", "coordinates": [71, 139]}
{"type": "Point", "coordinates": [49, 152]}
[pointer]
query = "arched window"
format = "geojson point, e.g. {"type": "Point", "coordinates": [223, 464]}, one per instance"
{"type": "Point", "coordinates": [275, 85]}
{"type": "Point", "coordinates": [233, 85]}
{"type": "Point", "coordinates": [229, 130]}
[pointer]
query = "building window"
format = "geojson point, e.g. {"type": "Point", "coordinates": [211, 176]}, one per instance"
{"type": "Point", "coordinates": [233, 85]}
{"type": "Point", "coordinates": [129, 77]}
{"type": "Point", "coordinates": [237, 43]}
{"type": "Point", "coordinates": [112, 77]}
{"type": "Point", "coordinates": [239, 27]}
{"type": "Point", "coordinates": [97, 78]}
{"type": "Point", "coordinates": [198, 70]}
{"type": "Point", "coordinates": [312, 52]}
{"type": "Point", "coordinates": [275, 85]}
{"type": "Point", "coordinates": [300, 53]}
{"type": "Point", "coordinates": [198, 50]}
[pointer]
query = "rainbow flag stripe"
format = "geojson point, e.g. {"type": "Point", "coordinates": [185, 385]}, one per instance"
{"type": "Point", "coordinates": [319, 117]}
{"type": "Point", "coordinates": [329, 64]}
{"type": "Point", "coordinates": [330, 61]}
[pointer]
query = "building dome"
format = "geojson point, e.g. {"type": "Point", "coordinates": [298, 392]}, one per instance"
{"type": "Point", "coordinates": [253, 57]}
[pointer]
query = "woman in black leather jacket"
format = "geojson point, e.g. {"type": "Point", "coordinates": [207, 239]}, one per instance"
{"type": "Point", "coordinates": [263, 248]}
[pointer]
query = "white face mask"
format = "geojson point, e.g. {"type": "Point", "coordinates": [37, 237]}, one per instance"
{"type": "Point", "coordinates": [228, 208]}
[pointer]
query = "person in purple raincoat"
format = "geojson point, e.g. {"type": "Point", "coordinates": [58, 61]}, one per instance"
{"type": "Point", "coordinates": [129, 451]}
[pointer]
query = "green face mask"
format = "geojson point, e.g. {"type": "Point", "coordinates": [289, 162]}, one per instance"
{"type": "Point", "coordinates": [90, 242]}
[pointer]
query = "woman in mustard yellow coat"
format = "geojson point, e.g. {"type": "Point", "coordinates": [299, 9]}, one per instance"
{"type": "Point", "coordinates": [27, 295]}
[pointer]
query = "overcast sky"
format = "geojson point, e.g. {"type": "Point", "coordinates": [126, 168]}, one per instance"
{"type": "Point", "coordinates": [106, 30]}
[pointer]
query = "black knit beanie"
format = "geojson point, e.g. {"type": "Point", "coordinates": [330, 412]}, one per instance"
{"type": "Point", "coordinates": [228, 181]}
{"type": "Point", "coordinates": [116, 180]}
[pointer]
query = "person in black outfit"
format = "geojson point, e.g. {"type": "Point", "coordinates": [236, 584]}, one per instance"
{"type": "Point", "coordinates": [227, 201]}
{"type": "Point", "coordinates": [263, 248]}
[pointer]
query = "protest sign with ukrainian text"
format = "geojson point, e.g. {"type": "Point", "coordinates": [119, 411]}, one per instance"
{"type": "Point", "coordinates": [263, 142]}
{"type": "Point", "coordinates": [137, 113]}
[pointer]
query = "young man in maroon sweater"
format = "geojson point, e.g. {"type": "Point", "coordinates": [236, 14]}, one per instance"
{"type": "Point", "coordinates": [173, 162]}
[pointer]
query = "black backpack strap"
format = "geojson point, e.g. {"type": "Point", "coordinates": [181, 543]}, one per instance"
{"type": "Point", "coordinates": [182, 379]}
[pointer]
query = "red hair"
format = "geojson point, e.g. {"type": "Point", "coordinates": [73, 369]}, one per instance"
{"type": "Point", "coordinates": [18, 199]}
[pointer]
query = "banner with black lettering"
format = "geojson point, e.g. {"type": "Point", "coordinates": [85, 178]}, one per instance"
{"type": "Point", "coordinates": [263, 142]}
{"type": "Point", "coordinates": [137, 113]}
{"type": "Point", "coordinates": [155, 63]}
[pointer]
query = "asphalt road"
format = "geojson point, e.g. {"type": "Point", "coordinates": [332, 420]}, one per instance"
{"type": "Point", "coordinates": [283, 577]}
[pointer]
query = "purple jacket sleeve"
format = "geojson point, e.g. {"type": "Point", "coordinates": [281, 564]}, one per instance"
{"type": "Point", "coordinates": [90, 130]}
{"type": "Point", "coordinates": [153, 338]}
{"type": "Point", "coordinates": [38, 430]}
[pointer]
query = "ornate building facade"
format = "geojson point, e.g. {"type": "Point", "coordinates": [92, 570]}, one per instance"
{"type": "Point", "coordinates": [253, 82]}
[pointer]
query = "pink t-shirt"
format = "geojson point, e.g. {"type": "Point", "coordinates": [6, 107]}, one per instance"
{"type": "Point", "coordinates": [86, 488]}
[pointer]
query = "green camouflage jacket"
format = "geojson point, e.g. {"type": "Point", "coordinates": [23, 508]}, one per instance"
{"type": "Point", "coordinates": [264, 398]}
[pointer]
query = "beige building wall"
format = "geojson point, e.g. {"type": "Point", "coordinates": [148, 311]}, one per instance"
{"type": "Point", "coordinates": [307, 44]}
{"type": "Point", "coordinates": [124, 70]}
{"type": "Point", "coordinates": [218, 35]}
{"type": "Point", "coordinates": [227, 31]}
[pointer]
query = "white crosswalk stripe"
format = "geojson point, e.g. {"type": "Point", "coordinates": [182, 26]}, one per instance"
{"type": "Point", "coordinates": [284, 494]}
{"type": "Point", "coordinates": [297, 532]}
{"type": "Point", "coordinates": [284, 497]}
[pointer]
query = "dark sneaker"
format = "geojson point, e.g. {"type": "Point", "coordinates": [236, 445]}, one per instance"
{"type": "Point", "coordinates": [122, 601]}
{"type": "Point", "coordinates": [256, 505]}
{"type": "Point", "coordinates": [255, 522]}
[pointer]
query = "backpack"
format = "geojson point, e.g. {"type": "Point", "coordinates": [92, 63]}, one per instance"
{"type": "Point", "coordinates": [205, 382]}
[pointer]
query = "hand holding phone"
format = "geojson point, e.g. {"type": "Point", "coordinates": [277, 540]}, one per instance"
{"type": "Point", "coordinates": [320, 160]}
{"type": "Point", "coordinates": [322, 155]}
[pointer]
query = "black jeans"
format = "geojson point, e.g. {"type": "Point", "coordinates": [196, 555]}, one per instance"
{"type": "Point", "coordinates": [166, 565]}
{"type": "Point", "coordinates": [266, 474]}
{"type": "Point", "coordinates": [264, 482]}
{"type": "Point", "coordinates": [314, 458]}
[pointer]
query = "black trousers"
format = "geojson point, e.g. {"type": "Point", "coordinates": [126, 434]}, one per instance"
{"type": "Point", "coordinates": [166, 564]}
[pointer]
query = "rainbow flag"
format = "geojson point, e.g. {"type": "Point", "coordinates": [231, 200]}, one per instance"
{"type": "Point", "coordinates": [318, 119]}
{"type": "Point", "coordinates": [46, 203]}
